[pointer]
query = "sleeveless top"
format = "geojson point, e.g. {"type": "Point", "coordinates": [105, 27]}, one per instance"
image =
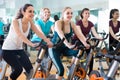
{"type": "Point", "coordinates": [13, 41]}
{"type": "Point", "coordinates": [57, 39]}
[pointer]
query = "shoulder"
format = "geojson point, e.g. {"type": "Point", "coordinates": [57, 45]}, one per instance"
{"type": "Point", "coordinates": [90, 23]}
{"type": "Point", "coordinates": [110, 23]}
{"type": "Point", "coordinates": [15, 21]}
{"type": "Point", "coordinates": [119, 22]}
{"type": "Point", "coordinates": [59, 22]}
{"type": "Point", "coordinates": [79, 22]}
{"type": "Point", "coordinates": [38, 21]}
{"type": "Point", "coordinates": [50, 22]}
{"type": "Point", "coordinates": [72, 23]}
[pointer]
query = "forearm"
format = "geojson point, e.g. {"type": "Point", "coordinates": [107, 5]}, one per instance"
{"type": "Point", "coordinates": [112, 34]}
{"type": "Point", "coordinates": [80, 35]}
{"type": "Point", "coordinates": [25, 40]}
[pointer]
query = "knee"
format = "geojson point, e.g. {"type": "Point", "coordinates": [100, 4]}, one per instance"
{"type": "Point", "coordinates": [61, 71]}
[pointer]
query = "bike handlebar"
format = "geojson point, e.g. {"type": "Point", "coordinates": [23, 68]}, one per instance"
{"type": "Point", "coordinates": [112, 54]}
{"type": "Point", "coordinates": [54, 45]}
{"type": "Point", "coordinates": [100, 55]}
{"type": "Point", "coordinates": [88, 40]}
{"type": "Point", "coordinates": [99, 39]}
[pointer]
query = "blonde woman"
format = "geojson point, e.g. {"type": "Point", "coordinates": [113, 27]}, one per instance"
{"type": "Point", "coordinates": [43, 24]}
{"type": "Point", "coordinates": [64, 29]}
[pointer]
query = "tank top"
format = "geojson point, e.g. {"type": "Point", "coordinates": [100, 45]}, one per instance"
{"type": "Point", "coordinates": [57, 39]}
{"type": "Point", "coordinates": [12, 41]}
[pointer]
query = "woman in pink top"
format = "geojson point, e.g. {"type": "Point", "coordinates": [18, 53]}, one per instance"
{"type": "Point", "coordinates": [86, 27]}
{"type": "Point", "coordinates": [114, 26]}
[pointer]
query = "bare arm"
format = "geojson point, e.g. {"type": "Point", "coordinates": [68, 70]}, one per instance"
{"type": "Point", "coordinates": [39, 28]}
{"type": "Point", "coordinates": [21, 36]}
{"type": "Point", "coordinates": [95, 33]}
{"type": "Point", "coordinates": [112, 33]}
{"type": "Point", "coordinates": [58, 29]}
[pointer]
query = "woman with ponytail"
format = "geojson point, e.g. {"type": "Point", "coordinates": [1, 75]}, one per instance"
{"type": "Point", "coordinates": [63, 29]}
{"type": "Point", "coordinates": [13, 52]}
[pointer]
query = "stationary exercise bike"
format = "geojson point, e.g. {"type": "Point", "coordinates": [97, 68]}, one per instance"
{"type": "Point", "coordinates": [43, 64]}
{"type": "Point", "coordinates": [100, 74]}
{"type": "Point", "coordinates": [78, 71]}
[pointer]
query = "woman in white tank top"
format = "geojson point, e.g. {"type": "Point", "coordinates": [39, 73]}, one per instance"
{"type": "Point", "coordinates": [13, 52]}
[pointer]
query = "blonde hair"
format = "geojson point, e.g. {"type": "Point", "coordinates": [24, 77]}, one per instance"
{"type": "Point", "coordinates": [42, 12]}
{"type": "Point", "coordinates": [65, 10]}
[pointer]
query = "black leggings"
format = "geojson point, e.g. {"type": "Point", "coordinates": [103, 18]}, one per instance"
{"type": "Point", "coordinates": [18, 60]}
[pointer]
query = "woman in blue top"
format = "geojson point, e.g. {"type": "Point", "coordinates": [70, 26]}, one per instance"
{"type": "Point", "coordinates": [63, 29]}
{"type": "Point", "coordinates": [43, 24]}
{"type": "Point", "coordinates": [1, 32]}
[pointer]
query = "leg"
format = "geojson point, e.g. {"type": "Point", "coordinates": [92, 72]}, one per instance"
{"type": "Point", "coordinates": [25, 62]}
{"type": "Point", "coordinates": [13, 61]}
{"type": "Point", "coordinates": [70, 52]}
{"type": "Point", "coordinates": [55, 56]}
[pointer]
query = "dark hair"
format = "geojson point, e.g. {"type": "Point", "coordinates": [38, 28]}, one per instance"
{"type": "Point", "coordinates": [19, 14]}
{"type": "Point", "coordinates": [112, 12]}
{"type": "Point", "coordinates": [56, 17]}
{"type": "Point", "coordinates": [85, 9]}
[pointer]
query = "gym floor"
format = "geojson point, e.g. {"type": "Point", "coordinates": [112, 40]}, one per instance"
{"type": "Point", "coordinates": [53, 71]}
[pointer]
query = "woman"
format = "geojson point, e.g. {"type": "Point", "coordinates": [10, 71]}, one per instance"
{"type": "Point", "coordinates": [86, 27]}
{"type": "Point", "coordinates": [1, 32]}
{"type": "Point", "coordinates": [114, 26]}
{"type": "Point", "coordinates": [13, 52]}
{"type": "Point", "coordinates": [43, 24]}
{"type": "Point", "coordinates": [63, 29]}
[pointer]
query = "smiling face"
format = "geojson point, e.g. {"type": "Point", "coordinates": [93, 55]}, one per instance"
{"type": "Point", "coordinates": [29, 13]}
{"type": "Point", "coordinates": [67, 14]}
{"type": "Point", "coordinates": [115, 15]}
{"type": "Point", "coordinates": [45, 14]}
{"type": "Point", "coordinates": [86, 14]}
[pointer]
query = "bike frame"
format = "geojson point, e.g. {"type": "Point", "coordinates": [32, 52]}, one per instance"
{"type": "Point", "coordinates": [3, 69]}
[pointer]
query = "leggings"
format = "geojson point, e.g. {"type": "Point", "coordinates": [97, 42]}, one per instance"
{"type": "Point", "coordinates": [55, 55]}
{"type": "Point", "coordinates": [18, 60]}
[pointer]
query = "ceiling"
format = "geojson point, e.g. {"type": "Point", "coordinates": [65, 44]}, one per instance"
{"type": "Point", "coordinates": [11, 6]}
